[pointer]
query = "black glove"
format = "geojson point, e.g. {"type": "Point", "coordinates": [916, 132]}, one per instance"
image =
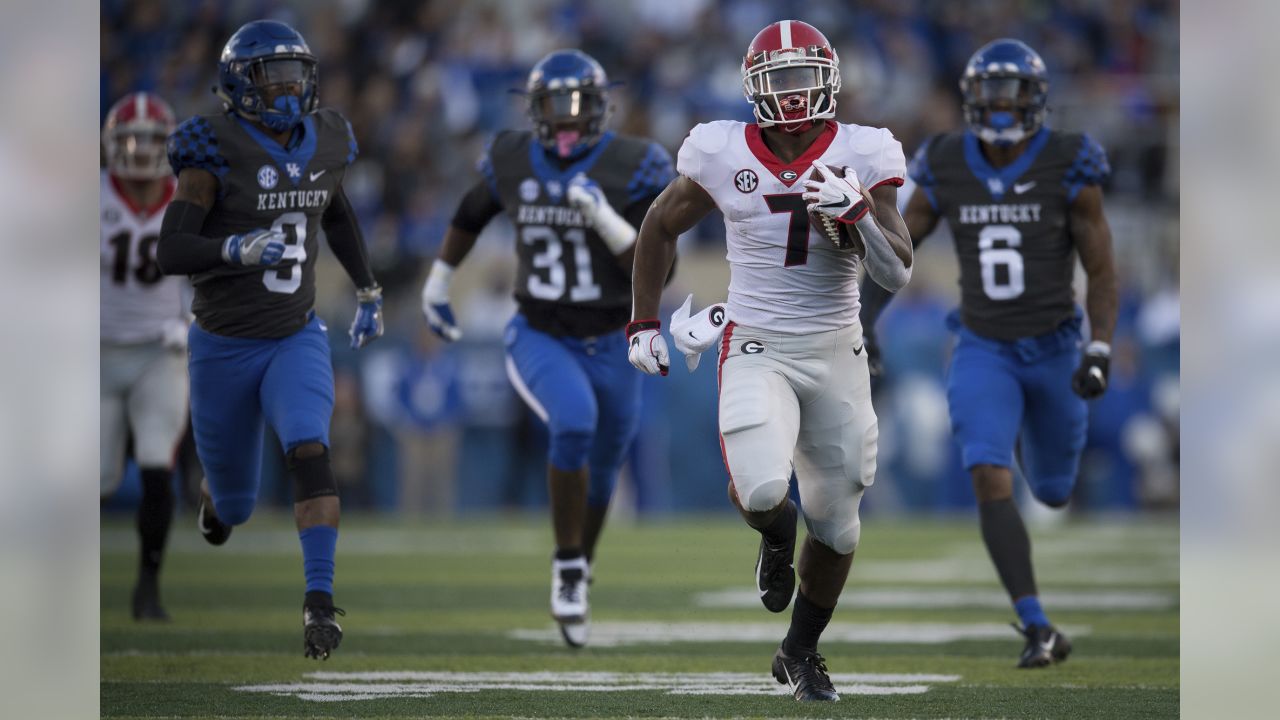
{"type": "Point", "coordinates": [1090, 379]}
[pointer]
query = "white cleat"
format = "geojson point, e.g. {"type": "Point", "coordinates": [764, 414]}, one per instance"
{"type": "Point", "coordinates": [569, 599]}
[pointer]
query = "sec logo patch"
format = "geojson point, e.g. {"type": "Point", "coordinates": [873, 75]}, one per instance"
{"type": "Point", "coordinates": [746, 180]}
{"type": "Point", "coordinates": [267, 177]}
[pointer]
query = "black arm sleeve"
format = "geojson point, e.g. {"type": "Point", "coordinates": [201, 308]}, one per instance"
{"type": "Point", "coordinates": [477, 208]}
{"type": "Point", "coordinates": [875, 298]}
{"type": "Point", "coordinates": [346, 241]}
{"type": "Point", "coordinates": [182, 250]}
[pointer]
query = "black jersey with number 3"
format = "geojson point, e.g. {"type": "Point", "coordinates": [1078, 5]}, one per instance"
{"type": "Point", "coordinates": [264, 185]}
{"type": "Point", "coordinates": [1011, 225]}
{"type": "Point", "coordinates": [567, 280]}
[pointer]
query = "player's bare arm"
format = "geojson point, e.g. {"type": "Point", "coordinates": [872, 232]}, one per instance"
{"type": "Point", "coordinates": [1092, 237]}
{"type": "Point", "coordinates": [347, 243]}
{"type": "Point", "coordinates": [677, 209]}
{"type": "Point", "coordinates": [475, 210]}
{"type": "Point", "coordinates": [920, 217]}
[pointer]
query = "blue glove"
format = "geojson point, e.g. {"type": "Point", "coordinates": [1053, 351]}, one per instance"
{"type": "Point", "coordinates": [256, 247]}
{"type": "Point", "coordinates": [367, 326]}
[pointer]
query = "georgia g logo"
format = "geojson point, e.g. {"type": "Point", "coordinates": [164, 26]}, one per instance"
{"type": "Point", "coordinates": [746, 180]}
{"type": "Point", "coordinates": [752, 347]}
{"type": "Point", "coordinates": [717, 316]}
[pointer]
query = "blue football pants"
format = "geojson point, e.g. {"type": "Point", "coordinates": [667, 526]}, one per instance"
{"type": "Point", "coordinates": [586, 392]}
{"type": "Point", "coordinates": [236, 385]}
{"type": "Point", "coordinates": [998, 389]}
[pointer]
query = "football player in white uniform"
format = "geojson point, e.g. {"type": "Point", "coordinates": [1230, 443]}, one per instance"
{"type": "Point", "coordinates": [794, 387]}
{"type": "Point", "coordinates": [143, 328]}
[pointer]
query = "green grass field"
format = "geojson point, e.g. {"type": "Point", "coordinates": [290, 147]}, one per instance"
{"type": "Point", "coordinates": [450, 620]}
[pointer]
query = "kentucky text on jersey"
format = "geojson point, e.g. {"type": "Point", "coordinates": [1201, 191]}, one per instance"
{"type": "Point", "coordinates": [549, 215]}
{"type": "Point", "coordinates": [996, 213]}
{"type": "Point", "coordinates": [293, 199]}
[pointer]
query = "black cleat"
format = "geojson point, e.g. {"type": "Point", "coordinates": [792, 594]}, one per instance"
{"type": "Point", "coordinates": [1045, 646]}
{"type": "Point", "coordinates": [775, 574]}
{"type": "Point", "coordinates": [806, 676]}
{"type": "Point", "coordinates": [320, 632]}
{"type": "Point", "coordinates": [146, 600]}
{"type": "Point", "coordinates": [214, 531]}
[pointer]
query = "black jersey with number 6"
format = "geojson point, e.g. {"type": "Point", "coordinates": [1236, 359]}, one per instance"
{"type": "Point", "coordinates": [264, 185]}
{"type": "Point", "coordinates": [1011, 225]}
{"type": "Point", "coordinates": [567, 280]}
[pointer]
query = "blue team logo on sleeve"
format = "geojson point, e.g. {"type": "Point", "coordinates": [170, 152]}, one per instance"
{"type": "Point", "coordinates": [194, 145]}
{"type": "Point", "coordinates": [652, 175]}
{"type": "Point", "coordinates": [920, 173]}
{"type": "Point", "coordinates": [353, 149]}
{"type": "Point", "coordinates": [1090, 167]}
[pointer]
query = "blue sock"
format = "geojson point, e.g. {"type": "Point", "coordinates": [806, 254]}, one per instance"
{"type": "Point", "coordinates": [318, 546]}
{"type": "Point", "coordinates": [1030, 612]}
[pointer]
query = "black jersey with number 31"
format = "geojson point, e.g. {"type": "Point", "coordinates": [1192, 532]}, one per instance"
{"type": "Point", "coordinates": [1011, 225]}
{"type": "Point", "coordinates": [563, 266]}
{"type": "Point", "coordinates": [264, 185]}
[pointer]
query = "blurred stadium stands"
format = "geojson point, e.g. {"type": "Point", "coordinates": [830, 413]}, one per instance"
{"type": "Point", "coordinates": [422, 427]}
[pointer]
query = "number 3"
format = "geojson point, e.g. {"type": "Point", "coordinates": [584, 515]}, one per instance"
{"type": "Point", "coordinates": [990, 257]}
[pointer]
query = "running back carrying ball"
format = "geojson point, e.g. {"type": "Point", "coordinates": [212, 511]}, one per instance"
{"type": "Point", "coordinates": [839, 232]}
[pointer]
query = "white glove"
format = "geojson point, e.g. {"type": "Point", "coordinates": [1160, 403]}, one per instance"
{"type": "Point", "coordinates": [647, 348]}
{"type": "Point", "coordinates": [835, 196]}
{"type": "Point", "coordinates": [435, 301]}
{"type": "Point", "coordinates": [695, 335]}
{"type": "Point", "coordinates": [256, 247]}
{"type": "Point", "coordinates": [587, 198]}
{"type": "Point", "coordinates": [173, 335]}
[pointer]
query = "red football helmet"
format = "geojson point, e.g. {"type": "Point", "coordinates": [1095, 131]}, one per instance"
{"type": "Point", "coordinates": [134, 137]}
{"type": "Point", "coordinates": [791, 74]}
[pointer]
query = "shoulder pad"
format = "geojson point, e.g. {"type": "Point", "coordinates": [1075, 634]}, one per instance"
{"type": "Point", "coordinates": [194, 145]}
{"type": "Point", "coordinates": [705, 140]}
{"type": "Point", "coordinates": [1089, 166]}
{"type": "Point", "coordinates": [652, 173]}
{"type": "Point", "coordinates": [330, 118]}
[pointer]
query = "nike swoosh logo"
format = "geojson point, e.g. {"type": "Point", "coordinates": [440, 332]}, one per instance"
{"type": "Point", "coordinates": [315, 175]}
{"type": "Point", "coordinates": [1020, 188]}
{"type": "Point", "coordinates": [1047, 646]}
{"type": "Point", "coordinates": [844, 200]}
{"type": "Point", "coordinates": [695, 337]}
{"type": "Point", "coordinates": [857, 350]}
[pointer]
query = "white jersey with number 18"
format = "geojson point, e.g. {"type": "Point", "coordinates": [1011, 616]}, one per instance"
{"type": "Point", "coordinates": [783, 276]}
{"type": "Point", "coordinates": [137, 301]}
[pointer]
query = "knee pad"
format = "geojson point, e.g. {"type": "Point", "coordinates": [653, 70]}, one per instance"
{"type": "Point", "coordinates": [234, 510]}
{"type": "Point", "coordinates": [841, 538]}
{"type": "Point", "coordinates": [1054, 492]}
{"type": "Point", "coordinates": [569, 448]}
{"type": "Point", "coordinates": [763, 496]}
{"type": "Point", "coordinates": [312, 475]}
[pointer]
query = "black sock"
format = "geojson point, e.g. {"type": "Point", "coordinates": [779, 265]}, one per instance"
{"type": "Point", "coordinates": [1008, 545]}
{"type": "Point", "coordinates": [568, 553]}
{"type": "Point", "coordinates": [155, 514]}
{"type": "Point", "coordinates": [318, 598]}
{"type": "Point", "coordinates": [807, 623]}
{"type": "Point", "coordinates": [782, 529]}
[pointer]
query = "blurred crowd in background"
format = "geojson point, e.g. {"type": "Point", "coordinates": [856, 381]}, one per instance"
{"type": "Point", "coordinates": [421, 426]}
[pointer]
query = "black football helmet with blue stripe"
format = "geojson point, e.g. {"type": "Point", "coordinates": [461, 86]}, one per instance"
{"type": "Point", "coordinates": [1004, 79]}
{"type": "Point", "coordinates": [267, 74]}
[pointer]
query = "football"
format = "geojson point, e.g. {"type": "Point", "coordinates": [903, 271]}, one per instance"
{"type": "Point", "coordinates": [841, 235]}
